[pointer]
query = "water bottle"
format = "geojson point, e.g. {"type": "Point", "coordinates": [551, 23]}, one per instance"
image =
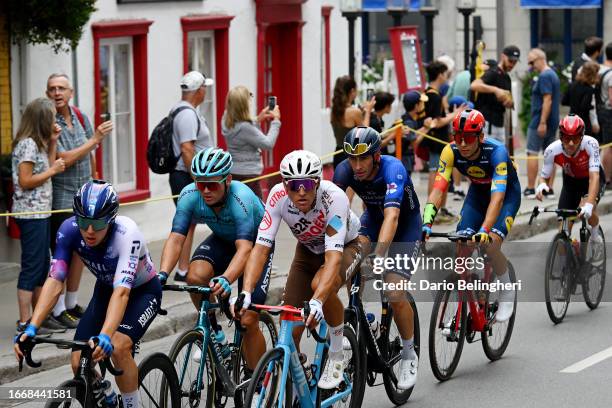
{"type": "Point", "coordinates": [220, 337]}
{"type": "Point", "coordinates": [109, 394]}
{"type": "Point", "coordinates": [373, 323]}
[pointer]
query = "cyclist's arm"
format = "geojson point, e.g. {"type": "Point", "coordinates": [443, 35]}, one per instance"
{"type": "Point", "coordinates": [171, 252]}
{"type": "Point", "coordinates": [239, 260]}
{"type": "Point", "coordinates": [180, 227]}
{"type": "Point", "coordinates": [442, 179]}
{"type": "Point", "coordinates": [387, 230]}
{"type": "Point", "coordinates": [116, 309]}
{"type": "Point", "coordinates": [47, 299]}
{"type": "Point", "coordinates": [327, 278]}
{"type": "Point", "coordinates": [593, 187]}
{"type": "Point", "coordinates": [498, 187]}
{"type": "Point", "coordinates": [254, 266]}
{"type": "Point", "coordinates": [493, 210]}
{"type": "Point", "coordinates": [592, 147]}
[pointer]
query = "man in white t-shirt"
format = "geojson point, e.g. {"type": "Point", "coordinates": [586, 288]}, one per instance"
{"type": "Point", "coordinates": [191, 134]}
{"type": "Point", "coordinates": [604, 112]}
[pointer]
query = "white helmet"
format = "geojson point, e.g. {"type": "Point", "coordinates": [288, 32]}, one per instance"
{"type": "Point", "coordinates": [301, 164]}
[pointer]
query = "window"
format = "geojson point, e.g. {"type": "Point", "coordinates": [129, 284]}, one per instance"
{"type": "Point", "coordinates": [116, 84]}
{"type": "Point", "coordinates": [202, 58]}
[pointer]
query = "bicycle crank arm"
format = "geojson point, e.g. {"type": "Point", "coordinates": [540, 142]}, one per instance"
{"type": "Point", "coordinates": [229, 388]}
{"type": "Point", "coordinates": [242, 386]}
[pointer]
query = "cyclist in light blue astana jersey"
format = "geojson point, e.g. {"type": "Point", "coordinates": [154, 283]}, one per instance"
{"type": "Point", "coordinates": [233, 212]}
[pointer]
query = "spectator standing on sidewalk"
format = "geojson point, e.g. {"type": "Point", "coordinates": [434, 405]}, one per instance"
{"type": "Point", "coordinates": [191, 134]}
{"type": "Point", "coordinates": [542, 129]}
{"type": "Point", "coordinates": [244, 137]}
{"type": "Point", "coordinates": [34, 162]}
{"type": "Point", "coordinates": [382, 106]}
{"type": "Point", "coordinates": [76, 144]}
{"type": "Point", "coordinates": [494, 93]}
{"type": "Point", "coordinates": [414, 118]}
{"type": "Point", "coordinates": [580, 97]}
{"type": "Point", "coordinates": [592, 51]}
{"type": "Point", "coordinates": [604, 112]}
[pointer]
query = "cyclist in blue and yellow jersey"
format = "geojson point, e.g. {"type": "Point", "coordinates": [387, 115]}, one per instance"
{"type": "Point", "coordinates": [493, 199]}
{"type": "Point", "coordinates": [233, 212]}
{"type": "Point", "coordinates": [127, 294]}
{"type": "Point", "coordinates": [391, 216]}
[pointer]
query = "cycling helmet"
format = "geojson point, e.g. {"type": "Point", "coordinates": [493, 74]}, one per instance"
{"type": "Point", "coordinates": [96, 200]}
{"type": "Point", "coordinates": [301, 164]}
{"type": "Point", "coordinates": [361, 140]}
{"type": "Point", "coordinates": [572, 125]}
{"type": "Point", "coordinates": [211, 162]}
{"type": "Point", "coordinates": [468, 121]}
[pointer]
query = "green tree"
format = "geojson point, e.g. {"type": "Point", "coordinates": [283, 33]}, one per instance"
{"type": "Point", "coordinates": [58, 23]}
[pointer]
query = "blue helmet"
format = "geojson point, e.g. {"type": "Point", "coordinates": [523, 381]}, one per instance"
{"type": "Point", "coordinates": [211, 162]}
{"type": "Point", "coordinates": [362, 140]}
{"type": "Point", "coordinates": [96, 200]}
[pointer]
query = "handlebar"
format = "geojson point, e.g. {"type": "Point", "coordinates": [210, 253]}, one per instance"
{"type": "Point", "coordinates": [187, 288]}
{"type": "Point", "coordinates": [561, 212]}
{"type": "Point", "coordinates": [454, 237]}
{"type": "Point", "coordinates": [276, 310]}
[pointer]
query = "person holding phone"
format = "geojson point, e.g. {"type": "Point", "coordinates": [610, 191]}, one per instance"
{"type": "Point", "coordinates": [244, 136]}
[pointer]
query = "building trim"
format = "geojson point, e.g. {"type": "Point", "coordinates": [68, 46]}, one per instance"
{"type": "Point", "coordinates": [326, 12]}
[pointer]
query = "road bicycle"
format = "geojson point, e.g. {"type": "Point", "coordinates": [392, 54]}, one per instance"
{"type": "Point", "coordinates": [213, 377]}
{"type": "Point", "coordinates": [86, 388]}
{"type": "Point", "coordinates": [462, 309]}
{"type": "Point", "coordinates": [280, 373]}
{"type": "Point", "coordinates": [382, 353]}
{"type": "Point", "coordinates": [571, 264]}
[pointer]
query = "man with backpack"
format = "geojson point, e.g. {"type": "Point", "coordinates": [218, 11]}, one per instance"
{"type": "Point", "coordinates": [76, 145]}
{"type": "Point", "coordinates": [190, 134]}
{"type": "Point", "coordinates": [603, 95]}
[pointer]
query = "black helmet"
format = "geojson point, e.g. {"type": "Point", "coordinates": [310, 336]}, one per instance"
{"type": "Point", "coordinates": [362, 140]}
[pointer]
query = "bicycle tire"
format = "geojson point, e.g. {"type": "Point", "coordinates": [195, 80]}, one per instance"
{"type": "Point", "coordinates": [169, 391]}
{"type": "Point", "coordinates": [559, 241]}
{"type": "Point", "coordinates": [239, 363]}
{"type": "Point", "coordinates": [274, 356]}
{"type": "Point", "coordinates": [78, 388]}
{"type": "Point", "coordinates": [194, 398]}
{"type": "Point", "coordinates": [390, 350]}
{"type": "Point", "coordinates": [593, 300]}
{"type": "Point", "coordinates": [495, 353]}
{"type": "Point", "coordinates": [441, 303]}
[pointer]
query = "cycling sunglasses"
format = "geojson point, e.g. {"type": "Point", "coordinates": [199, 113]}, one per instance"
{"type": "Point", "coordinates": [97, 225]}
{"type": "Point", "coordinates": [296, 184]}
{"type": "Point", "coordinates": [210, 185]}
{"type": "Point", "coordinates": [570, 138]}
{"type": "Point", "coordinates": [360, 148]}
{"type": "Point", "coordinates": [468, 138]}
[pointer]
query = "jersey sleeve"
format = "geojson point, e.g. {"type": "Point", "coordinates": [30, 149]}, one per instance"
{"type": "Point", "coordinates": [395, 178]}
{"type": "Point", "coordinates": [337, 221]}
{"type": "Point", "coordinates": [342, 175]}
{"type": "Point", "coordinates": [592, 147]}
{"type": "Point", "coordinates": [243, 212]}
{"type": "Point", "coordinates": [60, 263]}
{"type": "Point", "coordinates": [499, 161]}
{"type": "Point", "coordinates": [445, 168]}
{"type": "Point", "coordinates": [184, 210]}
{"type": "Point", "coordinates": [129, 257]}
{"type": "Point", "coordinates": [549, 162]}
{"type": "Point", "coordinates": [272, 216]}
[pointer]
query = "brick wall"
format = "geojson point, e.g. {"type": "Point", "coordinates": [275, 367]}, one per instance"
{"type": "Point", "coordinates": [6, 125]}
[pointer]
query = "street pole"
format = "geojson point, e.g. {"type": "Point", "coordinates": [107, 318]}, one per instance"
{"type": "Point", "coordinates": [397, 15]}
{"type": "Point", "coordinates": [429, 14]}
{"type": "Point", "coordinates": [466, 35]}
{"type": "Point", "coordinates": [351, 16]}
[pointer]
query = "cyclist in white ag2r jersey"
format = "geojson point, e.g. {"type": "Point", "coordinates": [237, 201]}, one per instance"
{"type": "Point", "coordinates": [326, 255]}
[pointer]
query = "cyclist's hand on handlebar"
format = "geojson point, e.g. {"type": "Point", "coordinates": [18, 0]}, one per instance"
{"type": "Point", "coordinates": [163, 277]}
{"type": "Point", "coordinates": [240, 304]}
{"type": "Point", "coordinates": [540, 191]}
{"type": "Point", "coordinates": [221, 286]}
{"type": "Point", "coordinates": [586, 211]}
{"type": "Point", "coordinates": [316, 313]}
{"type": "Point", "coordinates": [23, 337]}
{"type": "Point", "coordinates": [103, 348]}
{"type": "Point", "coordinates": [426, 229]}
{"type": "Point", "coordinates": [481, 236]}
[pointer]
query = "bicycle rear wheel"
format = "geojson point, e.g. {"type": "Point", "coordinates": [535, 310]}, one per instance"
{"type": "Point", "coordinates": [240, 370]}
{"type": "Point", "coordinates": [594, 274]}
{"type": "Point", "coordinates": [496, 336]}
{"type": "Point", "coordinates": [446, 334]}
{"type": "Point", "coordinates": [391, 349]}
{"type": "Point", "coordinates": [558, 278]}
{"type": "Point", "coordinates": [158, 384]}
{"type": "Point", "coordinates": [76, 389]}
{"type": "Point", "coordinates": [183, 356]}
{"type": "Point", "coordinates": [264, 388]}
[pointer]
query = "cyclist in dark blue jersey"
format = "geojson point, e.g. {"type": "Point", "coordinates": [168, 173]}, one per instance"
{"type": "Point", "coordinates": [127, 294]}
{"type": "Point", "coordinates": [233, 212]}
{"type": "Point", "coordinates": [493, 199]}
{"type": "Point", "coordinates": [391, 216]}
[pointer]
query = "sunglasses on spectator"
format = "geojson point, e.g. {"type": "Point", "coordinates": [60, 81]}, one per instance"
{"type": "Point", "coordinates": [468, 138]}
{"type": "Point", "coordinates": [85, 223]}
{"type": "Point", "coordinates": [360, 148]}
{"type": "Point", "coordinates": [296, 184]}
{"type": "Point", "coordinates": [210, 185]}
{"type": "Point", "coordinates": [569, 138]}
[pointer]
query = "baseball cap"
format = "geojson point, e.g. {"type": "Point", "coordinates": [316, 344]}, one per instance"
{"type": "Point", "coordinates": [192, 81]}
{"type": "Point", "coordinates": [411, 98]}
{"type": "Point", "coordinates": [512, 52]}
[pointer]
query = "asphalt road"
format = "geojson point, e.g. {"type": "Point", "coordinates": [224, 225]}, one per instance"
{"type": "Point", "coordinates": [545, 365]}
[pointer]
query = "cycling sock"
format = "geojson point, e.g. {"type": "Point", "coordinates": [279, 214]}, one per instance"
{"type": "Point", "coordinates": [595, 230]}
{"type": "Point", "coordinates": [408, 352]}
{"type": "Point", "coordinates": [181, 272]}
{"type": "Point", "coordinates": [335, 339]}
{"type": "Point", "coordinates": [60, 306]}
{"type": "Point", "coordinates": [71, 299]}
{"type": "Point", "coordinates": [130, 399]}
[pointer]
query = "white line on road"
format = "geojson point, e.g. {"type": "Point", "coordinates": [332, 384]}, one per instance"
{"type": "Point", "coordinates": [589, 361]}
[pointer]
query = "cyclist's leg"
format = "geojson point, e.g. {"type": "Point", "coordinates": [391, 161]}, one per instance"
{"type": "Point", "coordinates": [254, 345]}
{"type": "Point", "coordinates": [210, 259]}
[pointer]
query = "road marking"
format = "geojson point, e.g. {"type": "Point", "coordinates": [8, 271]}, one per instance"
{"type": "Point", "coordinates": [589, 361]}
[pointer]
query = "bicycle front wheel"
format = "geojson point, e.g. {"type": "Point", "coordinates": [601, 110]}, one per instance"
{"type": "Point", "coordinates": [186, 355]}
{"type": "Point", "coordinates": [158, 384]}
{"type": "Point", "coordinates": [72, 395]}
{"type": "Point", "coordinates": [594, 274]}
{"type": "Point", "coordinates": [558, 278]}
{"type": "Point", "coordinates": [446, 333]}
{"type": "Point", "coordinates": [265, 386]}
{"type": "Point", "coordinates": [391, 348]}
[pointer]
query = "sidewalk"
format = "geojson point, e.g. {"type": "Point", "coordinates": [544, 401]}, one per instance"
{"type": "Point", "coordinates": [181, 312]}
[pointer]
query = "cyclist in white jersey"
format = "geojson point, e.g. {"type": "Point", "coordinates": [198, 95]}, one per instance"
{"type": "Point", "coordinates": [326, 255]}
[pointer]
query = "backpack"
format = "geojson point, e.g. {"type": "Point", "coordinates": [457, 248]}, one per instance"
{"type": "Point", "coordinates": [598, 101]}
{"type": "Point", "coordinates": [160, 150]}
